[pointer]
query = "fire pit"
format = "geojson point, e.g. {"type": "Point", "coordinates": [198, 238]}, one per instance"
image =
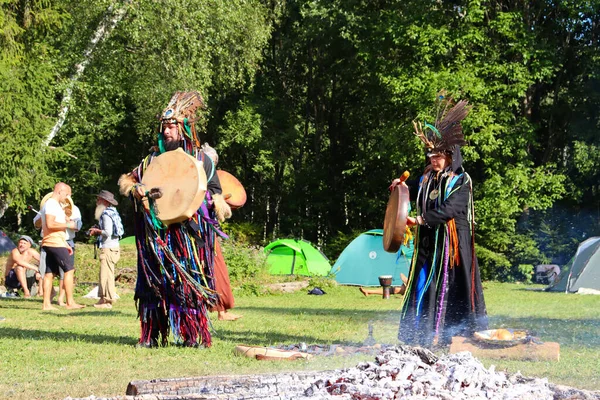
{"type": "Point", "coordinates": [398, 372]}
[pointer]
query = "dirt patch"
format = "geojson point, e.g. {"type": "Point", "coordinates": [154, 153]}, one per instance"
{"type": "Point", "coordinates": [287, 287]}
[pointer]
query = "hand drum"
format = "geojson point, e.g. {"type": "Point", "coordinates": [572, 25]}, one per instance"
{"type": "Point", "coordinates": [233, 191]}
{"type": "Point", "coordinates": [182, 183]}
{"type": "Point", "coordinates": [394, 225]}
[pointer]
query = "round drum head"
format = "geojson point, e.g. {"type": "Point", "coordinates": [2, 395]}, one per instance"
{"type": "Point", "coordinates": [394, 224]}
{"type": "Point", "coordinates": [233, 190]}
{"type": "Point", "coordinates": [182, 182]}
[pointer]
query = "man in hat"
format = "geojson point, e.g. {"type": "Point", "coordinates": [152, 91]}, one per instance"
{"type": "Point", "coordinates": [444, 295]}
{"type": "Point", "coordinates": [176, 283]}
{"type": "Point", "coordinates": [54, 243]}
{"type": "Point", "coordinates": [109, 232]}
{"type": "Point", "coordinates": [19, 261]}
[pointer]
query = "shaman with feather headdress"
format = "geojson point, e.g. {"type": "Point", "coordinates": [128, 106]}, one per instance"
{"type": "Point", "coordinates": [181, 111]}
{"type": "Point", "coordinates": [444, 296]}
{"type": "Point", "coordinates": [175, 285]}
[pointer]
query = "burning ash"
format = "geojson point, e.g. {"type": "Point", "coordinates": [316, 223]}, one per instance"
{"type": "Point", "coordinates": [403, 372]}
{"type": "Point", "coordinates": [415, 373]}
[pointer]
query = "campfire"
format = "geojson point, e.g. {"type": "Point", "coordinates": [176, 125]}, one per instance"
{"type": "Point", "coordinates": [398, 372]}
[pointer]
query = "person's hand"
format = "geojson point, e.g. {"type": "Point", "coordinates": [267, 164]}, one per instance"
{"type": "Point", "coordinates": [139, 191]}
{"type": "Point", "coordinates": [395, 183]}
{"type": "Point", "coordinates": [70, 249]}
{"type": "Point", "coordinates": [95, 231]}
{"type": "Point", "coordinates": [410, 221]}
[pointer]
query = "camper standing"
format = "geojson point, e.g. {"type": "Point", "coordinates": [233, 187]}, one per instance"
{"type": "Point", "coordinates": [109, 233]}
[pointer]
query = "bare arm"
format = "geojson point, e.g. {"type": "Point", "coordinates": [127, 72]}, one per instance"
{"type": "Point", "coordinates": [55, 226]}
{"type": "Point", "coordinates": [35, 255]}
{"type": "Point", "coordinates": [23, 261]}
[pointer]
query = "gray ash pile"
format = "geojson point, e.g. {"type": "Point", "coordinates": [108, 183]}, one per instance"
{"type": "Point", "coordinates": [405, 372]}
{"type": "Point", "coordinates": [399, 372]}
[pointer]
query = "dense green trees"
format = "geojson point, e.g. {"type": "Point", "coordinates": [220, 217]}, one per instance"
{"type": "Point", "coordinates": [27, 91]}
{"type": "Point", "coordinates": [311, 103]}
{"type": "Point", "coordinates": [342, 81]}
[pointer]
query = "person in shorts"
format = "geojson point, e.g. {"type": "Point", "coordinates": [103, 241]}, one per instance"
{"type": "Point", "coordinates": [19, 263]}
{"type": "Point", "coordinates": [54, 243]}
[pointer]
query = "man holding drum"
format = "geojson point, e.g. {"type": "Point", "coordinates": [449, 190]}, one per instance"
{"type": "Point", "coordinates": [175, 285]}
{"type": "Point", "coordinates": [444, 295]}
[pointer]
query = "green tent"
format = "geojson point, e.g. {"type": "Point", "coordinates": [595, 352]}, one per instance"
{"type": "Point", "coordinates": [583, 271]}
{"type": "Point", "coordinates": [363, 261]}
{"type": "Point", "coordinates": [296, 257]}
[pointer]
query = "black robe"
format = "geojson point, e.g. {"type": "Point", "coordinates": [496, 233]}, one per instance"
{"type": "Point", "coordinates": [443, 300]}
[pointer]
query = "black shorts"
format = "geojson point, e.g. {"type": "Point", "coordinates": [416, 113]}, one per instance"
{"type": "Point", "coordinates": [11, 280]}
{"type": "Point", "coordinates": [57, 259]}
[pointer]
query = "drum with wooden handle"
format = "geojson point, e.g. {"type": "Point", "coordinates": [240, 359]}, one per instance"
{"type": "Point", "coordinates": [233, 190]}
{"type": "Point", "coordinates": [181, 181]}
{"type": "Point", "coordinates": [394, 224]}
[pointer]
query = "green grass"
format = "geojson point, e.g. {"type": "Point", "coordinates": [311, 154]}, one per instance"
{"type": "Point", "coordinates": [50, 355]}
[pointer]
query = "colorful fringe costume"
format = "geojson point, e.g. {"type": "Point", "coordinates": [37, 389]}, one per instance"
{"type": "Point", "coordinates": [444, 295]}
{"type": "Point", "coordinates": [175, 284]}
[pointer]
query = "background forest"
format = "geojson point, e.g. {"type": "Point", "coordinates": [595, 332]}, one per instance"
{"type": "Point", "coordinates": [311, 104]}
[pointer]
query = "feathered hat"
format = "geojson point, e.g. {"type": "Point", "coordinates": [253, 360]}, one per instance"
{"type": "Point", "coordinates": [181, 110]}
{"type": "Point", "coordinates": [446, 134]}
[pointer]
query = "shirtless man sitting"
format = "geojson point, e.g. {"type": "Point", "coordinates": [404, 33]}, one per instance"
{"type": "Point", "coordinates": [19, 260]}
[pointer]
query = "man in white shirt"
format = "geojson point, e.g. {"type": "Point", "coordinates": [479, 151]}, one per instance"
{"type": "Point", "coordinates": [72, 212]}
{"type": "Point", "coordinates": [54, 243]}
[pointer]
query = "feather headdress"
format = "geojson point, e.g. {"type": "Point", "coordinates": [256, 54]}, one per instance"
{"type": "Point", "coordinates": [181, 110]}
{"type": "Point", "coordinates": [182, 105]}
{"type": "Point", "coordinates": [446, 133]}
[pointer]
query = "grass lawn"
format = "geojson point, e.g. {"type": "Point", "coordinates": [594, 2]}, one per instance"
{"type": "Point", "coordinates": [50, 355]}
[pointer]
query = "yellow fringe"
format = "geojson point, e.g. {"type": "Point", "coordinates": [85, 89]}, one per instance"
{"type": "Point", "coordinates": [408, 236]}
{"type": "Point", "coordinates": [453, 239]}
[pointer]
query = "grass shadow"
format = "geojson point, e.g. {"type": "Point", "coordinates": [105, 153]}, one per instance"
{"type": "Point", "coordinates": [365, 315]}
{"type": "Point", "coordinates": [38, 334]}
{"type": "Point", "coordinates": [268, 339]}
{"type": "Point", "coordinates": [92, 313]}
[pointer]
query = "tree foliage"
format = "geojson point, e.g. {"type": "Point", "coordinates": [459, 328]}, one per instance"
{"type": "Point", "coordinates": [311, 104]}
{"type": "Point", "coordinates": [27, 90]}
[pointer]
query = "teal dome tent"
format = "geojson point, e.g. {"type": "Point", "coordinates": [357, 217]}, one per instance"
{"type": "Point", "coordinates": [363, 261]}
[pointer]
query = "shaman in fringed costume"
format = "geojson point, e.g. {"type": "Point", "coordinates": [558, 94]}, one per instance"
{"type": "Point", "coordinates": [175, 284]}
{"type": "Point", "coordinates": [444, 296]}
